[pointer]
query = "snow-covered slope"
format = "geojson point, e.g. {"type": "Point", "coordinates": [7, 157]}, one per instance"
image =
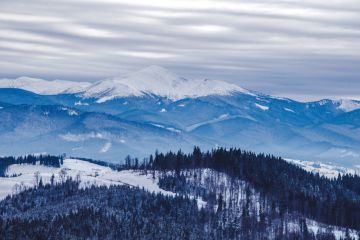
{"type": "Point", "coordinates": [348, 105]}
{"type": "Point", "coordinates": [89, 174]}
{"type": "Point", "coordinates": [44, 87]}
{"type": "Point", "coordinates": [161, 82]}
{"type": "Point", "coordinates": [327, 170]}
{"type": "Point", "coordinates": [22, 176]}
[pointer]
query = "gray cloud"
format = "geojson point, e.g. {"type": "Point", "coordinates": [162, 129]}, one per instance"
{"type": "Point", "coordinates": [303, 49]}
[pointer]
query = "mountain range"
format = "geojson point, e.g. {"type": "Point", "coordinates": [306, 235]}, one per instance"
{"type": "Point", "coordinates": [154, 109]}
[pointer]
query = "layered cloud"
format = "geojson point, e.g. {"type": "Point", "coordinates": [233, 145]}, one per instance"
{"type": "Point", "coordinates": [303, 49]}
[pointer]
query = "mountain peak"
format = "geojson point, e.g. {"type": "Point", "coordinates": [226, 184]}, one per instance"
{"type": "Point", "coordinates": [45, 87]}
{"type": "Point", "coordinates": [153, 80]}
{"type": "Point", "coordinates": [159, 81]}
{"type": "Point", "coordinates": [348, 105]}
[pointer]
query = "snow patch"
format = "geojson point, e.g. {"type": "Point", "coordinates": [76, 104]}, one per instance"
{"type": "Point", "coordinates": [106, 147]}
{"type": "Point", "coordinates": [222, 117]}
{"type": "Point", "coordinates": [171, 129]}
{"type": "Point", "coordinates": [289, 110]}
{"type": "Point", "coordinates": [348, 105]}
{"type": "Point", "coordinates": [262, 107]}
{"type": "Point", "coordinates": [79, 103]}
{"type": "Point", "coordinates": [81, 137]}
{"type": "Point", "coordinates": [327, 170]}
{"type": "Point", "coordinates": [71, 112]}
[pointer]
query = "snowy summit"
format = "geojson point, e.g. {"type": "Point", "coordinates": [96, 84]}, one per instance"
{"type": "Point", "coordinates": [153, 80]}
{"type": "Point", "coordinates": [44, 87]}
{"type": "Point", "coordinates": [161, 82]}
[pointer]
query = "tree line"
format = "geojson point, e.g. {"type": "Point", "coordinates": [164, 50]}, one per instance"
{"type": "Point", "coordinates": [46, 160]}
{"type": "Point", "coordinates": [332, 201]}
{"type": "Point", "coordinates": [65, 211]}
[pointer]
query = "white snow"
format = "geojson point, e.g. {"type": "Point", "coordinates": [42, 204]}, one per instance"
{"type": "Point", "coordinates": [348, 105]}
{"type": "Point", "coordinates": [44, 87]}
{"type": "Point", "coordinates": [89, 174]}
{"type": "Point", "coordinates": [79, 103]}
{"type": "Point", "coordinates": [159, 81]}
{"type": "Point", "coordinates": [327, 170]}
{"type": "Point", "coordinates": [262, 107]}
{"type": "Point", "coordinates": [171, 129]}
{"type": "Point", "coordinates": [71, 112]}
{"type": "Point", "coordinates": [339, 233]}
{"type": "Point", "coordinates": [70, 137]}
{"type": "Point", "coordinates": [221, 118]}
{"type": "Point", "coordinates": [215, 120]}
{"type": "Point", "coordinates": [289, 110]}
{"type": "Point", "coordinates": [323, 102]}
{"type": "Point", "coordinates": [163, 110]}
{"type": "Point", "coordinates": [106, 147]}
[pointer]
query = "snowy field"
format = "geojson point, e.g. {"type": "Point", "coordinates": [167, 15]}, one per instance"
{"type": "Point", "coordinates": [88, 173]}
{"type": "Point", "coordinates": [327, 170]}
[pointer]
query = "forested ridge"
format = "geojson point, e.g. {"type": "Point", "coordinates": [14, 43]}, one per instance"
{"type": "Point", "coordinates": [332, 201]}
{"type": "Point", "coordinates": [247, 196]}
{"type": "Point", "coordinates": [65, 211]}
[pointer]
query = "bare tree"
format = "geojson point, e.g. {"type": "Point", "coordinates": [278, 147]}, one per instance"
{"type": "Point", "coordinates": [52, 180]}
{"type": "Point", "coordinates": [62, 175]}
{"type": "Point", "coordinates": [78, 177]}
{"type": "Point", "coordinates": [37, 177]}
{"type": "Point", "coordinates": [16, 189]}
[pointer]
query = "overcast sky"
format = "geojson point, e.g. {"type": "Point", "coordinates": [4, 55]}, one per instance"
{"type": "Point", "coordinates": [308, 49]}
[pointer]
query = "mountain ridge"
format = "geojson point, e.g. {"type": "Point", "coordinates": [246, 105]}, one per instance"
{"type": "Point", "coordinates": [152, 80]}
{"type": "Point", "coordinates": [107, 125]}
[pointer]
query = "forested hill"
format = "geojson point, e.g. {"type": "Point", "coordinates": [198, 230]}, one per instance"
{"type": "Point", "coordinates": [65, 211]}
{"type": "Point", "coordinates": [292, 189]}
{"type": "Point", "coordinates": [218, 194]}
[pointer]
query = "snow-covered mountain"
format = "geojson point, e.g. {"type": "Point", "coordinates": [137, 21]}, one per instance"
{"type": "Point", "coordinates": [348, 105]}
{"type": "Point", "coordinates": [158, 81]}
{"type": "Point", "coordinates": [151, 81]}
{"type": "Point", "coordinates": [44, 87]}
{"type": "Point", "coordinates": [155, 109]}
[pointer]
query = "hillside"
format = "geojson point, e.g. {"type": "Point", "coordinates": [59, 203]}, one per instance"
{"type": "Point", "coordinates": [229, 188]}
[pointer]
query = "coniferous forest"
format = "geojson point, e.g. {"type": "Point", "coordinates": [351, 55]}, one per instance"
{"type": "Point", "coordinates": [290, 188]}
{"type": "Point", "coordinates": [243, 195]}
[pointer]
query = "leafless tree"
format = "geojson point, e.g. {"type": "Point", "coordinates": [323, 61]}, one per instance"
{"type": "Point", "coordinates": [62, 175]}
{"type": "Point", "coordinates": [37, 177]}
